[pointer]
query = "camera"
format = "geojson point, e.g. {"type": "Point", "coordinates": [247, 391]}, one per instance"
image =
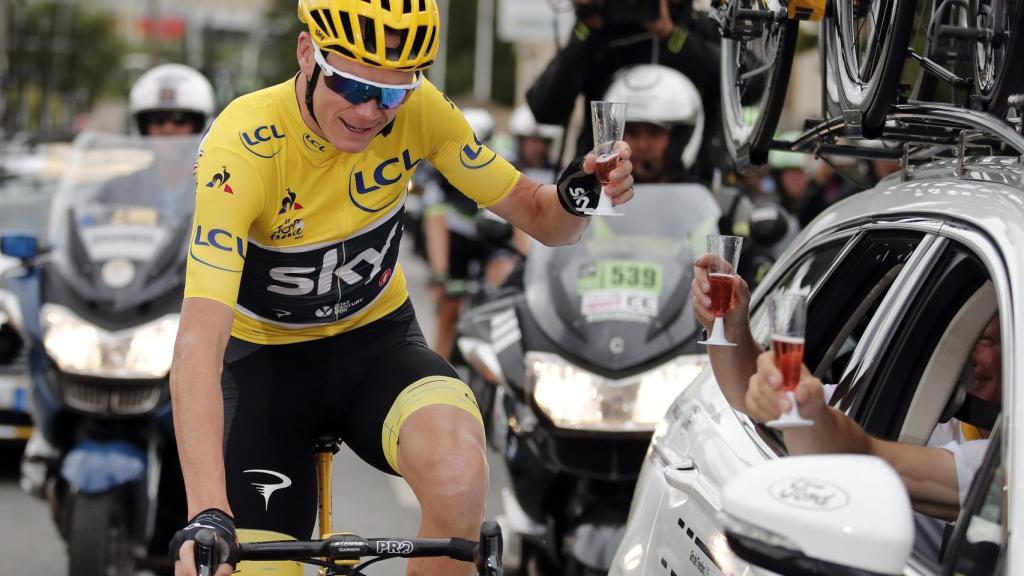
{"type": "Point", "coordinates": [619, 13]}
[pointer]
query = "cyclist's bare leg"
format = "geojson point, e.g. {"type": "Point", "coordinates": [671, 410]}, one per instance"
{"type": "Point", "coordinates": [441, 454]}
{"type": "Point", "coordinates": [447, 317]}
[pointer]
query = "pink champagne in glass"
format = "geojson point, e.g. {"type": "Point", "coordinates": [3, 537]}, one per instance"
{"type": "Point", "coordinates": [788, 316]}
{"type": "Point", "coordinates": [789, 355]}
{"type": "Point", "coordinates": [721, 293]}
{"type": "Point", "coordinates": [605, 164]}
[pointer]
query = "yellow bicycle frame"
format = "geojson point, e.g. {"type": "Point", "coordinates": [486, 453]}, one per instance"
{"type": "Point", "coordinates": [813, 10]}
{"type": "Point", "coordinates": [325, 450]}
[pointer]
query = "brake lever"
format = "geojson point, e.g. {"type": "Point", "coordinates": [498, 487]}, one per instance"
{"type": "Point", "coordinates": [488, 561]}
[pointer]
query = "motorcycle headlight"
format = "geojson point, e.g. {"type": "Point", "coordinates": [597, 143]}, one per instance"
{"type": "Point", "coordinates": [575, 398]}
{"type": "Point", "coordinates": [79, 347]}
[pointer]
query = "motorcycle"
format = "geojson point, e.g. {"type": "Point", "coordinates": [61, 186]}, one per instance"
{"type": "Point", "coordinates": [581, 366]}
{"type": "Point", "coordinates": [98, 309]}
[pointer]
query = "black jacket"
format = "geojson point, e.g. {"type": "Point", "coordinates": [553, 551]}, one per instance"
{"type": "Point", "coordinates": [588, 62]}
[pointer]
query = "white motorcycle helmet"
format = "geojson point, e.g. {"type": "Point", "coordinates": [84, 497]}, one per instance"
{"type": "Point", "coordinates": [172, 88]}
{"type": "Point", "coordinates": [481, 122]}
{"type": "Point", "coordinates": [523, 124]}
{"type": "Point", "coordinates": [663, 96]}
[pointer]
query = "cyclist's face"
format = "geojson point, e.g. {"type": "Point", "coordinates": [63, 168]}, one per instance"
{"type": "Point", "coordinates": [986, 359]}
{"type": "Point", "coordinates": [350, 127]}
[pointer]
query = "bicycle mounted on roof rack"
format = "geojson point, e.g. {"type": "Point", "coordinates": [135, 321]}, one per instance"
{"type": "Point", "coordinates": [915, 130]}
{"type": "Point", "coordinates": [863, 46]}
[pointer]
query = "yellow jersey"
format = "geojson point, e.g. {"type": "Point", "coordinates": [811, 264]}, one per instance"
{"type": "Point", "coordinates": [302, 239]}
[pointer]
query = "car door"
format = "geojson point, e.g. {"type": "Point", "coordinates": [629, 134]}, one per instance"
{"type": "Point", "coordinates": [849, 274]}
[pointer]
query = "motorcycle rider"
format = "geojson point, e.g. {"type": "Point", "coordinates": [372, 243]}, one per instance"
{"type": "Point", "coordinates": [166, 100]}
{"type": "Point", "coordinates": [664, 128]}
{"type": "Point", "coordinates": [171, 99]}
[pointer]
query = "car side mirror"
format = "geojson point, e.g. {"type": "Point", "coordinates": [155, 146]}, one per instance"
{"type": "Point", "coordinates": [822, 514]}
{"type": "Point", "coordinates": [20, 246]}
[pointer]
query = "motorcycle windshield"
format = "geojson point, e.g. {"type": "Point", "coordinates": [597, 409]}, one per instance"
{"type": "Point", "coordinates": [121, 216]}
{"type": "Point", "coordinates": [620, 296]}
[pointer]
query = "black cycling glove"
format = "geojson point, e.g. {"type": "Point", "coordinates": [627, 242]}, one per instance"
{"type": "Point", "coordinates": [218, 521]}
{"type": "Point", "coordinates": [577, 190]}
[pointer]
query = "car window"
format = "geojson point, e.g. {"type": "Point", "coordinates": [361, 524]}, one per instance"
{"type": "Point", "coordinates": [977, 546]}
{"type": "Point", "coordinates": [840, 310]}
{"type": "Point", "coordinates": [803, 277]}
{"type": "Point", "coordinates": [922, 339]}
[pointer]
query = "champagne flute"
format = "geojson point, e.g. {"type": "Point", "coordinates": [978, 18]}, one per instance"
{"type": "Point", "coordinates": [609, 121]}
{"type": "Point", "coordinates": [788, 315]}
{"type": "Point", "coordinates": [722, 274]}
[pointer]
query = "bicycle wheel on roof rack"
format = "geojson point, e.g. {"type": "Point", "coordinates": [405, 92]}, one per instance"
{"type": "Point", "coordinates": [866, 43]}
{"type": "Point", "coordinates": [999, 60]}
{"type": "Point", "coordinates": [755, 66]}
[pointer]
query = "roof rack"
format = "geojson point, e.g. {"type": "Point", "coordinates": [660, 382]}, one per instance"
{"type": "Point", "coordinates": [911, 131]}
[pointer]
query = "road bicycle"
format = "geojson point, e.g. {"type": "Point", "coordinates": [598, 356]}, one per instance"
{"type": "Point", "coordinates": [345, 554]}
{"type": "Point", "coordinates": [863, 46]}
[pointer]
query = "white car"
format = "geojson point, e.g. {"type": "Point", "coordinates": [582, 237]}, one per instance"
{"type": "Point", "coordinates": [901, 281]}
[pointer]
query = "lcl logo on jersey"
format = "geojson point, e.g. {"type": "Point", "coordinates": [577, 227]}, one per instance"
{"type": "Point", "coordinates": [387, 173]}
{"type": "Point", "coordinates": [302, 280]}
{"type": "Point", "coordinates": [220, 240]}
{"type": "Point", "coordinates": [264, 141]}
{"type": "Point", "coordinates": [475, 155]}
{"type": "Point", "coordinates": [312, 143]}
{"type": "Point", "coordinates": [220, 181]}
{"type": "Point", "coordinates": [289, 202]}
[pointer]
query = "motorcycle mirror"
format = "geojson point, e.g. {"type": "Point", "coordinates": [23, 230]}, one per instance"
{"type": "Point", "coordinates": [20, 246]}
{"type": "Point", "coordinates": [493, 229]}
{"type": "Point", "coordinates": [828, 514]}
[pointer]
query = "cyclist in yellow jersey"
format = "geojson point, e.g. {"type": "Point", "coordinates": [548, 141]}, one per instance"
{"type": "Point", "coordinates": [296, 320]}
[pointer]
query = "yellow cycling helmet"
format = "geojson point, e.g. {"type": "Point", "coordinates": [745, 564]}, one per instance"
{"type": "Point", "coordinates": [355, 29]}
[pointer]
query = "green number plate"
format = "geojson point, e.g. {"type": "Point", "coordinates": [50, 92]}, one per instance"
{"type": "Point", "coordinates": [615, 274]}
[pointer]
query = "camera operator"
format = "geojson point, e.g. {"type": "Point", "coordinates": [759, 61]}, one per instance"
{"type": "Point", "coordinates": [613, 34]}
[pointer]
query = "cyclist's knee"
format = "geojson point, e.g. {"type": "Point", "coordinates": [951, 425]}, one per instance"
{"type": "Point", "coordinates": [443, 453]}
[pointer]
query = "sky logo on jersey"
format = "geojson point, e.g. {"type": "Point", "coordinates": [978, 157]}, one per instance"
{"type": "Point", "coordinates": [221, 249]}
{"type": "Point", "coordinates": [289, 203]}
{"type": "Point", "coordinates": [302, 280]}
{"type": "Point", "coordinates": [220, 181]}
{"type": "Point", "coordinates": [264, 141]}
{"type": "Point", "coordinates": [387, 173]}
{"type": "Point", "coordinates": [475, 155]}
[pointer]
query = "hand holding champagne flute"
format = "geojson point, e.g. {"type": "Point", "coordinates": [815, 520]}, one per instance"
{"type": "Point", "coordinates": [721, 274]}
{"type": "Point", "coordinates": [609, 121]}
{"type": "Point", "coordinates": [788, 315]}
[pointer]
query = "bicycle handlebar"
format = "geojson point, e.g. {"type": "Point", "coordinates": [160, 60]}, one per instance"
{"type": "Point", "coordinates": [485, 554]}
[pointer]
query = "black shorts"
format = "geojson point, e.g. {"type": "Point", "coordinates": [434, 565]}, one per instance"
{"type": "Point", "coordinates": [278, 398]}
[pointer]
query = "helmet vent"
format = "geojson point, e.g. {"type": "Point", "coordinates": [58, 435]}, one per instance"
{"type": "Point", "coordinates": [385, 4]}
{"type": "Point", "coordinates": [369, 34]}
{"type": "Point", "coordinates": [346, 25]}
{"type": "Point", "coordinates": [423, 5]}
{"type": "Point", "coordinates": [319, 19]}
{"type": "Point", "coordinates": [417, 42]}
{"type": "Point", "coordinates": [341, 50]}
{"type": "Point", "coordinates": [330, 22]}
{"type": "Point", "coordinates": [395, 53]}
